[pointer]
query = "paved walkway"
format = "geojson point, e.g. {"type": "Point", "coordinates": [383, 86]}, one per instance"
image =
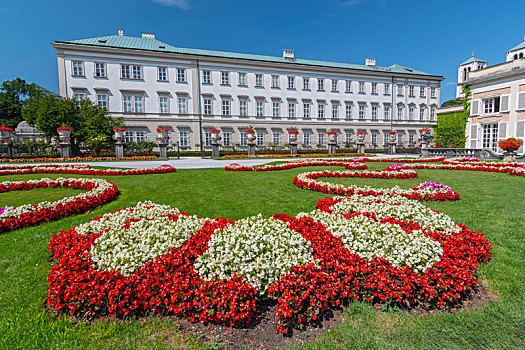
{"type": "Point", "coordinates": [195, 162]}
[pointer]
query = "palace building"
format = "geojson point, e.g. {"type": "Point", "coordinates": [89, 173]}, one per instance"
{"type": "Point", "coordinates": [497, 109]}
{"type": "Point", "coordinates": [151, 83]}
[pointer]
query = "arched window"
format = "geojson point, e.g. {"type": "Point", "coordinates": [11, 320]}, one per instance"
{"type": "Point", "coordinates": [464, 74]}
{"type": "Point", "coordinates": [515, 56]}
{"type": "Point", "coordinates": [469, 69]}
{"type": "Point", "coordinates": [521, 55]}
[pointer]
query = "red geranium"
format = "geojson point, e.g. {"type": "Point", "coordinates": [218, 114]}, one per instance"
{"type": "Point", "coordinates": [332, 132]}
{"type": "Point", "coordinates": [392, 132]}
{"type": "Point", "coordinates": [293, 131]}
{"type": "Point", "coordinates": [162, 129]}
{"type": "Point", "coordinates": [361, 132]}
{"type": "Point", "coordinates": [64, 128]}
{"type": "Point", "coordinates": [215, 130]}
{"type": "Point", "coordinates": [5, 128]}
{"type": "Point", "coordinates": [510, 144]}
{"type": "Point", "coordinates": [119, 129]}
{"type": "Point", "coordinates": [251, 131]}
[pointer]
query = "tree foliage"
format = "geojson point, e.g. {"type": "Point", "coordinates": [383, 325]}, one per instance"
{"type": "Point", "coordinates": [13, 93]}
{"type": "Point", "coordinates": [455, 102]}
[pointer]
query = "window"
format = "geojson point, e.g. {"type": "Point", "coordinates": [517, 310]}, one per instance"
{"type": "Point", "coordinates": [399, 113]}
{"type": "Point", "coordinates": [207, 104]}
{"type": "Point", "coordinates": [411, 138]}
{"type": "Point", "coordinates": [387, 89]}
{"type": "Point", "coordinates": [411, 89]}
{"type": "Point", "coordinates": [386, 112]}
{"type": "Point", "coordinates": [432, 92]}
{"type": "Point", "coordinates": [100, 70]}
{"type": "Point", "coordinates": [291, 109]}
{"type": "Point", "coordinates": [361, 111]}
{"type": "Point", "coordinates": [291, 82]}
{"type": "Point", "coordinates": [491, 105]}
{"type": "Point", "coordinates": [136, 72]}
{"type": "Point", "coordinates": [260, 139]}
{"type": "Point", "coordinates": [243, 107]}
{"type": "Point", "coordinates": [225, 78]}
{"type": "Point", "coordinates": [490, 137]}
{"type": "Point", "coordinates": [320, 110]}
{"type": "Point", "coordinates": [433, 113]}
{"type": "Point", "coordinates": [127, 103]}
{"type": "Point", "coordinates": [227, 138]}
{"type": "Point", "coordinates": [276, 138]}
{"type": "Point", "coordinates": [125, 71]}
{"type": "Point", "coordinates": [79, 96]}
{"type": "Point", "coordinates": [206, 77]}
{"type": "Point", "coordinates": [275, 81]}
{"type": "Point", "coordinates": [128, 71]}
{"type": "Point", "coordinates": [306, 139]}
{"type": "Point", "coordinates": [164, 104]}
{"type": "Point", "coordinates": [276, 109]}
{"type": "Point", "coordinates": [102, 100]}
{"type": "Point", "coordinates": [400, 138]}
{"type": "Point", "coordinates": [411, 113]}
{"type": "Point", "coordinates": [361, 87]}
{"type": "Point", "coordinates": [207, 138]}
{"type": "Point", "coordinates": [320, 138]}
{"type": "Point", "coordinates": [421, 91]}
{"type": "Point", "coordinates": [162, 73]}
{"type": "Point", "coordinates": [348, 137]}
{"type": "Point", "coordinates": [306, 109]}
{"type": "Point", "coordinates": [374, 88]}
{"type": "Point", "coordinates": [181, 75]}
{"type": "Point", "coordinates": [348, 111]}
{"type": "Point", "coordinates": [306, 83]}
{"type": "Point", "coordinates": [139, 104]}
{"type": "Point", "coordinates": [242, 79]}
{"type": "Point", "coordinates": [259, 108]}
{"type": "Point", "coordinates": [184, 139]}
{"type": "Point", "coordinates": [422, 111]}
{"type": "Point", "coordinates": [374, 138]}
{"type": "Point", "coordinates": [399, 89]}
{"type": "Point", "coordinates": [78, 68]}
{"type": "Point", "coordinates": [335, 110]}
{"type": "Point", "coordinates": [226, 107]}
{"type": "Point", "coordinates": [259, 80]}
{"type": "Point", "coordinates": [320, 84]}
{"type": "Point", "coordinates": [135, 136]}
{"type": "Point", "coordinates": [348, 86]}
{"type": "Point", "coordinates": [243, 139]}
{"type": "Point", "coordinates": [334, 85]}
{"type": "Point", "coordinates": [374, 112]}
{"type": "Point", "coordinates": [183, 105]}
{"type": "Point", "coordinates": [128, 136]}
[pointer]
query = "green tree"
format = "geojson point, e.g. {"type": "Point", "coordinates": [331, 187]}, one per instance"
{"type": "Point", "coordinates": [13, 93]}
{"type": "Point", "coordinates": [450, 129]}
{"type": "Point", "coordinates": [455, 102]}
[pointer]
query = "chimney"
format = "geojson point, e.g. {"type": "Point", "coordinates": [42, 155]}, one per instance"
{"type": "Point", "coordinates": [288, 53]}
{"type": "Point", "coordinates": [371, 62]}
{"type": "Point", "coordinates": [148, 35]}
{"type": "Point", "coordinates": [121, 32]}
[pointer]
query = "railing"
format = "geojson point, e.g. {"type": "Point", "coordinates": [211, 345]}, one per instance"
{"type": "Point", "coordinates": [452, 152]}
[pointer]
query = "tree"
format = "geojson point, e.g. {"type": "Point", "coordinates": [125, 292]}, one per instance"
{"type": "Point", "coordinates": [13, 93]}
{"type": "Point", "coordinates": [450, 129]}
{"type": "Point", "coordinates": [455, 102]}
{"type": "Point", "coordinates": [88, 121]}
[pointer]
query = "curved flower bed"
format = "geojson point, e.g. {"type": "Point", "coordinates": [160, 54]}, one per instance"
{"type": "Point", "coordinates": [306, 155]}
{"type": "Point", "coordinates": [80, 169]}
{"type": "Point", "coordinates": [346, 163]}
{"type": "Point", "coordinates": [98, 192]}
{"type": "Point", "coordinates": [378, 248]}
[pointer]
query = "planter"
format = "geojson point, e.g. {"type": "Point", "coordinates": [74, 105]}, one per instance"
{"type": "Point", "coordinates": [251, 137]}
{"type": "Point", "coordinates": [293, 138]}
{"type": "Point", "coordinates": [510, 155]}
{"type": "Point", "coordinates": [64, 135]}
{"type": "Point", "coordinates": [360, 137]}
{"type": "Point", "coordinates": [215, 137]}
{"type": "Point", "coordinates": [119, 135]}
{"type": "Point", "coordinates": [331, 138]}
{"type": "Point", "coordinates": [392, 138]}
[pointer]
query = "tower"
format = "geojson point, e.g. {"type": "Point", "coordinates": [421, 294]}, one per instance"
{"type": "Point", "coordinates": [464, 68]}
{"type": "Point", "coordinates": [517, 52]}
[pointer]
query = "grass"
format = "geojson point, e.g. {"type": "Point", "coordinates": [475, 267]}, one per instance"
{"type": "Point", "coordinates": [16, 198]}
{"type": "Point", "coordinates": [491, 203]}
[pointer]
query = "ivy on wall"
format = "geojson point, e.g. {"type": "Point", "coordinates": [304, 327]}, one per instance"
{"type": "Point", "coordinates": [450, 129]}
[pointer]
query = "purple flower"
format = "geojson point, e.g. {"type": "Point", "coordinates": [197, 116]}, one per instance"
{"type": "Point", "coordinates": [395, 166]}
{"type": "Point", "coordinates": [2, 210]}
{"type": "Point", "coordinates": [234, 164]}
{"type": "Point", "coordinates": [434, 185]}
{"type": "Point", "coordinates": [166, 166]}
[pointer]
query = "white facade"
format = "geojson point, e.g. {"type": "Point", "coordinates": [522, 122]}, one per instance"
{"type": "Point", "coordinates": [464, 69]}
{"type": "Point", "coordinates": [232, 91]}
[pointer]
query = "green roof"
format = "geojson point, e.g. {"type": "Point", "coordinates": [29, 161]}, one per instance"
{"type": "Point", "coordinates": [134, 43]}
{"type": "Point", "coordinates": [519, 46]}
{"type": "Point", "coordinates": [473, 59]}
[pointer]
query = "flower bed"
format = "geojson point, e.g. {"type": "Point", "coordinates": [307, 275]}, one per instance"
{"type": "Point", "coordinates": [99, 191]}
{"type": "Point", "coordinates": [347, 164]}
{"type": "Point", "coordinates": [217, 270]}
{"type": "Point", "coordinates": [306, 155]}
{"type": "Point", "coordinates": [73, 159]}
{"type": "Point", "coordinates": [79, 170]}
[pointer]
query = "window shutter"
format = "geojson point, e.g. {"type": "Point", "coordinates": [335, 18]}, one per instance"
{"type": "Point", "coordinates": [502, 130]}
{"type": "Point", "coordinates": [473, 135]}
{"type": "Point", "coordinates": [474, 107]}
{"type": "Point", "coordinates": [521, 100]}
{"type": "Point", "coordinates": [504, 103]}
{"type": "Point", "coordinates": [520, 132]}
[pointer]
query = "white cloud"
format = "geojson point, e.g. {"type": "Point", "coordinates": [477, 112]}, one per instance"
{"type": "Point", "coordinates": [182, 4]}
{"type": "Point", "coordinates": [351, 2]}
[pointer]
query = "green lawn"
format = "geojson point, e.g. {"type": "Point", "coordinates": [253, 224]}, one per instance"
{"type": "Point", "coordinates": [491, 203]}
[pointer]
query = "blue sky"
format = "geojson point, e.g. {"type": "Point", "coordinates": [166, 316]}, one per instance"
{"type": "Point", "coordinates": [433, 36]}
